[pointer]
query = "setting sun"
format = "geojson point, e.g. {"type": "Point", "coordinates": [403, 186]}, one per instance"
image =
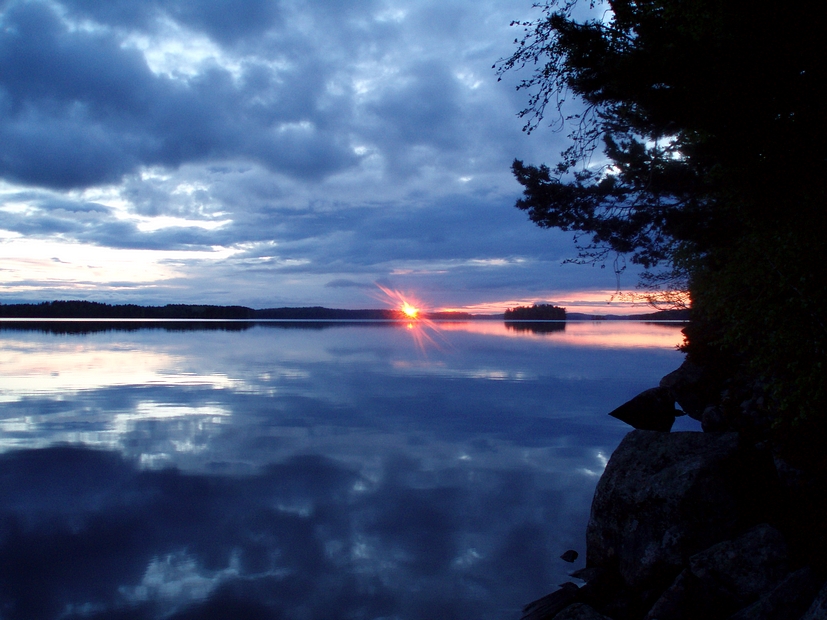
{"type": "Point", "coordinates": [409, 310]}
{"type": "Point", "coordinates": [401, 301]}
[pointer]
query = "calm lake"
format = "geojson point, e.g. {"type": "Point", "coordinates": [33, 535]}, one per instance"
{"type": "Point", "coordinates": [307, 471]}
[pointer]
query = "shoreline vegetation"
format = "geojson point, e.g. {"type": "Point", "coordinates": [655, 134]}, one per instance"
{"type": "Point", "coordinates": [77, 309]}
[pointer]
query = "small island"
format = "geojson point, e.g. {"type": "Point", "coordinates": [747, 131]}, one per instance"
{"type": "Point", "coordinates": [537, 312]}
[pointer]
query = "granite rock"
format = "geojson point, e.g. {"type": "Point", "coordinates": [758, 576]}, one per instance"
{"type": "Point", "coordinates": [787, 601]}
{"type": "Point", "coordinates": [580, 611]}
{"type": "Point", "coordinates": [666, 496]}
{"type": "Point", "coordinates": [818, 608]}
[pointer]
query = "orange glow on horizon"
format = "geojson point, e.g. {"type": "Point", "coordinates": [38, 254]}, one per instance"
{"type": "Point", "coordinates": [591, 302]}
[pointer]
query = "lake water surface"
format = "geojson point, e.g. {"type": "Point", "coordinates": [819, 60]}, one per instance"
{"type": "Point", "coordinates": [305, 470]}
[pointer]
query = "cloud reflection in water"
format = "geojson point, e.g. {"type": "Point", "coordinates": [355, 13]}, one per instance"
{"type": "Point", "coordinates": [272, 473]}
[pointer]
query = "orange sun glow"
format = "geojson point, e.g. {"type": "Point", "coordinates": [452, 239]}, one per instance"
{"type": "Point", "coordinates": [409, 310]}
{"type": "Point", "coordinates": [404, 302]}
{"type": "Point", "coordinates": [423, 329]}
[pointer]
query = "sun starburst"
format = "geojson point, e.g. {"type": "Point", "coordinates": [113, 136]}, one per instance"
{"type": "Point", "coordinates": [424, 330]}
{"type": "Point", "coordinates": [410, 311]}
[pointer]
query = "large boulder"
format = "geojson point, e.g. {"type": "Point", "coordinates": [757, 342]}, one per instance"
{"type": "Point", "coordinates": [818, 609]}
{"type": "Point", "coordinates": [726, 577]}
{"type": "Point", "coordinates": [579, 611]}
{"type": "Point", "coordinates": [787, 601]}
{"type": "Point", "coordinates": [666, 496]}
{"type": "Point", "coordinates": [652, 410]}
{"type": "Point", "coordinates": [736, 572]}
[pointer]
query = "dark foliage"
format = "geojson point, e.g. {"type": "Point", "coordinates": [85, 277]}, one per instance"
{"type": "Point", "coordinates": [78, 309]}
{"type": "Point", "coordinates": [96, 310]}
{"type": "Point", "coordinates": [710, 118]}
{"type": "Point", "coordinates": [328, 314]}
{"type": "Point", "coordinates": [537, 312]}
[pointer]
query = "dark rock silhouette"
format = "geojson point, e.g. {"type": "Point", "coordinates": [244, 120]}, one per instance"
{"type": "Point", "coordinates": [818, 608]}
{"type": "Point", "coordinates": [551, 604]}
{"type": "Point", "coordinates": [652, 410]}
{"type": "Point", "coordinates": [693, 387]}
{"type": "Point", "coordinates": [569, 556]}
{"type": "Point", "coordinates": [787, 601]}
{"type": "Point", "coordinates": [665, 497]}
{"type": "Point", "coordinates": [580, 611]}
{"type": "Point", "coordinates": [726, 577]}
{"type": "Point", "coordinates": [691, 525]}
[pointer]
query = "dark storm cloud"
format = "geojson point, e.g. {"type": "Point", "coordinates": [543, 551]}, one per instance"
{"type": "Point", "coordinates": [423, 110]}
{"type": "Point", "coordinates": [453, 228]}
{"type": "Point", "coordinates": [224, 20]}
{"type": "Point", "coordinates": [80, 109]}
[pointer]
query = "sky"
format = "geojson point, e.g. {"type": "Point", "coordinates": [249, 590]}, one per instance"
{"type": "Point", "coordinates": [273, 153]}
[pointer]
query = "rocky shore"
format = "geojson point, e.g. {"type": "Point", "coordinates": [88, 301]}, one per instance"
{"type": "Point", "coordinates": [698, 525]}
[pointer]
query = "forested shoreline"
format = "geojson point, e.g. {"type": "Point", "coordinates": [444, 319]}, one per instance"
{"type": "Point", "coordinates": [78, 309]}
{"type": "Point", "coordinates": [81, 309]}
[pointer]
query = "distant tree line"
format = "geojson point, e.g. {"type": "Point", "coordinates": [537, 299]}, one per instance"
{"type": "Point", "coordinates": [537, 312]}
{"type": "Point", "coordinates": [318, 313]}
{"type": "Point", "coordinates": [450, 316]}
{"type": "Point", "coordinates": [62, 327]}
{"type": "Point", "coordinates": [95, 310]}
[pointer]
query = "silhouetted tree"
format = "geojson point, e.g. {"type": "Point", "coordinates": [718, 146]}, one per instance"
{"type": "Point", "coordinates": [537, 312]}
{"type": "Point", "coordinates": [692, 101]}
{"type": "Point", "coordinates": [698, 151]}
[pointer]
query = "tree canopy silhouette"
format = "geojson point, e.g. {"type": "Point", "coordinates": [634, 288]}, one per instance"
{"type": "Point", "coordinates": [697, 149]}
{"type": "Point", "coordinates": [693, 101]}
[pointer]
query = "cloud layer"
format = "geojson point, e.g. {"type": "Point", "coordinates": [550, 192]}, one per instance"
{"type": "Point", "coordinates": [262, 153]}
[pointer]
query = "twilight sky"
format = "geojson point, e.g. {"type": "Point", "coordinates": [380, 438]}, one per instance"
{"type": "Point", "coordinates": [271, 153]}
